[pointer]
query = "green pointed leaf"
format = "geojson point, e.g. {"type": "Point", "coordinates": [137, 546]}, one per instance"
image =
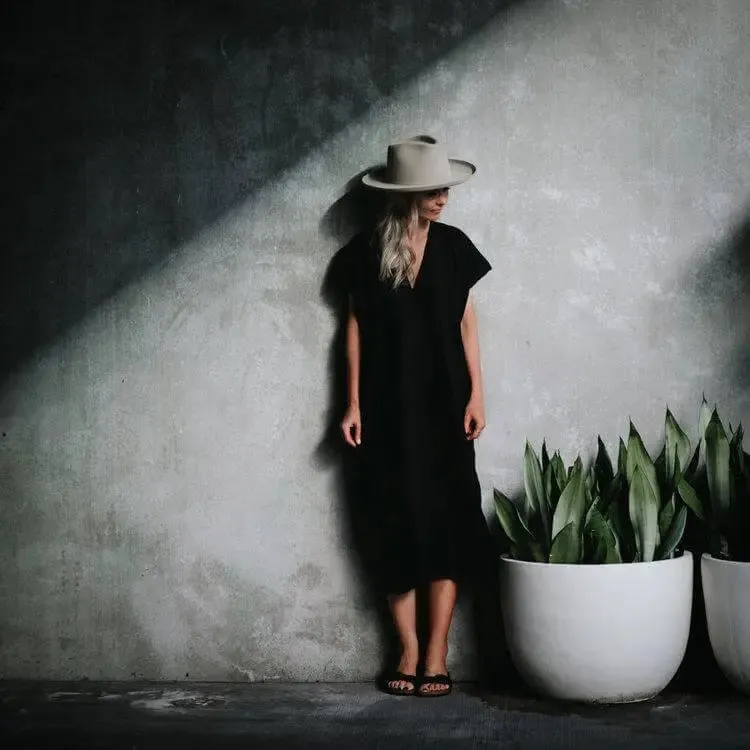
{"type": "Point", "coordinates": [735, 449]}
{"type": "Point", "coordinates": [592, 498]}
{"type": "Point", "coordinates": [740, 495]}
{"type": "Point", "coordinates": [552, 488]}
{"type": "Point", "coordinates": [614, 545]}
{"type": "Point", "coordinates": [718, 470]}
{"type": "Point", "coordinates": [666, 514]}
{"type": "Point", "coordinates": [603, 466]}
{"type": "Point", "coordinates": [692, 468]}
{"type": "Point", "coordinates": [666, 477]}
{"type": "Point", "coordinates": [590, 479]}
{"type": "Point", "coordinates": [638, 456]}
{"type": "Point", "coordinates": [618, 518]}
{"type": "Point", "coordinates": [594, 548]}
{"type": "Point", "coordinates": [613, 493]}
{"type": "Point", "coordinates": [678, 449]}
{"type": "Point", "coordinates": [536, 499]}
{"type": "Point", "coordinates": [548, 477]}
{"type": "Point", "coordinates": [545, 456]}
{"type": "Point", "coordinates": [531, 551]}
{"type": "Point", "coordinates": [571, 507]}
{"type": "Point", "coordinates": [662, 473]}
{"type": "Point", "coordinates": [675, 475]}
{"type": "Point", "coordinates": [592, 491]}
{"type": "Point", "coordinates": [622, 458]}
{"type": "Point", "coordinates": [510, 520]}
{"type": "Point", "coordinates": [599, 541]}
{"type": "Point", "coordinates": [674, 534]}
{"type": "Point", "coordinates": [704, 417]}
{"type": "Point", "coordinates": [560, 474]}
{"type": "Point", "coordinates": [689, 496]}
{"type": "Point", "coordinates": [566, 546]}
{"type": "Point", "coordinates": [643, 508]}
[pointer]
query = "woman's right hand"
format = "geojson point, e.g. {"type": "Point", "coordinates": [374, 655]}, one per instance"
{"type": "Point", "coordinates": [351, 426]}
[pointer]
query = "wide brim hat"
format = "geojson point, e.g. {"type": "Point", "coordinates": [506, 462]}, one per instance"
{"type": "Point", "coordinates": [416, 165]}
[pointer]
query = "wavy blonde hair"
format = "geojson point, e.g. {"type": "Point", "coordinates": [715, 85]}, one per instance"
{"type": "Point", "coordinates": [391, 232]}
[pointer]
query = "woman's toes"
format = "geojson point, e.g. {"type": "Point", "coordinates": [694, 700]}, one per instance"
{"type": "Point", "coordinates": [401, 685]}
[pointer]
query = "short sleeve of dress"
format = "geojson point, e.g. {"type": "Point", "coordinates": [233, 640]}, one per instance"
{"type": "Point", "coordinates": [471, 265]}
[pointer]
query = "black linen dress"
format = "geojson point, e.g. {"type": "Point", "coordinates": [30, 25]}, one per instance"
{"type": "Point", "coordinates": [423, 500]}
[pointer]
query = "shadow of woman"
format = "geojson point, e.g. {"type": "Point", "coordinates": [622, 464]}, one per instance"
{"type": "Point", "coordinates": [495, 669]}
{"type": "Point", "coordinates": [354, 212]}
{"type": "Point", "coordinates": [719, 287]}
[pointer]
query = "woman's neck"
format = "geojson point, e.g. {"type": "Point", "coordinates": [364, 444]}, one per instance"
{"type": "Point", "coordinates": [421, 227]}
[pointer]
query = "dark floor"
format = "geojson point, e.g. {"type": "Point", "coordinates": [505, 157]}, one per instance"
{"type": "Point", "coordinates": [219, 715]}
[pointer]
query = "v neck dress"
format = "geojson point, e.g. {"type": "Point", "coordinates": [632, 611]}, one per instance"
{"type": "Point", "coordinates": [419, 483]}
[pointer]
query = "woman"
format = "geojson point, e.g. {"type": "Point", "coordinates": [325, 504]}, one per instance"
{"type": "Point", "coordinates": [415, 400]}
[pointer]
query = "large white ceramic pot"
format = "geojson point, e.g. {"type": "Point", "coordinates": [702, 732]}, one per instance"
{"type": "Point", "coordinates": [597, 633]}
{"type": "Point", "coordinates": [726, 594]}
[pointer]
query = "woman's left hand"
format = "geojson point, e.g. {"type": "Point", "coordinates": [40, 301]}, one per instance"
{"type": "Point", "coordinates": [474, 421]}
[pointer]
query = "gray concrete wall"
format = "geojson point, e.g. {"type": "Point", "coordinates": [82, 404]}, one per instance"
{"type": "Point", "coordinates": [173, 199]}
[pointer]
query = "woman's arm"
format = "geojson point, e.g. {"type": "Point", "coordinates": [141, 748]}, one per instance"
{"type": "Point", "coordinates": [351, 425]}
{"type": "Point", "coordinates": [474, 421]}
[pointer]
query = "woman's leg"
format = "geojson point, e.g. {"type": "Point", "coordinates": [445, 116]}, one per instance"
{"type": "Point", "coordinates": [442, 603]}
{"type": "Point", "coordinates": [404, 611]}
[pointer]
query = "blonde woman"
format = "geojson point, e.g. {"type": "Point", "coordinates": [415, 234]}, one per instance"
{"type": "Point", "coordinates": [415, 401]}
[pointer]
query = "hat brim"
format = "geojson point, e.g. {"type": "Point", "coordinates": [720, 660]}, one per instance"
{"type": "Point", "coordinates": [460, 172]}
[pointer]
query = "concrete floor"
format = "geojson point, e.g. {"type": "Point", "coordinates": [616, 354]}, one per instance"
{"type": "Point", "coordinates": [218, 715]}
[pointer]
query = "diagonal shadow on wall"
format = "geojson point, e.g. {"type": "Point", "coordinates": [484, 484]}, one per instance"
{"type": "Point", "coordinates": [127, 128]}
{"type": "Point", "coordinates": [737, 259]}
{"type": "Point", "coordinates": [720, 289]}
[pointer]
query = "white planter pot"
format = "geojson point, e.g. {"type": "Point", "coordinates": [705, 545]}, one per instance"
{"type": "Point", "coordinates": [597, 633]}
{"type": "Point", "coordinates": [726, 594]}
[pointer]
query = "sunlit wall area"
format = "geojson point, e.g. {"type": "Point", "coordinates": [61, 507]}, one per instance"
{"type": "Point", "coordinates": [166, 508]}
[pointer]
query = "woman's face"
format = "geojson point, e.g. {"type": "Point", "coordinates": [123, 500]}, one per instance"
{"type": "Point", "coordinates": [431, 204]}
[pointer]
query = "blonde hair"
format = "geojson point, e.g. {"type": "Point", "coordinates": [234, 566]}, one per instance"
{"type": "Point", "coordinates": [391, 233]}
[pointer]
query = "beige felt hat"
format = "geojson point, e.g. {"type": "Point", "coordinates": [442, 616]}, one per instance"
{"type": "Point", "coordinates": [418, 164]}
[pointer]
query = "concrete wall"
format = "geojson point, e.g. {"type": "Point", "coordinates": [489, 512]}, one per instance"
{"type": "Point", "coordinates": [173, 197]}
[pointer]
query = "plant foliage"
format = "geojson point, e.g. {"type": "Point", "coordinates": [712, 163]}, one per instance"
{"type": "Point", "coordinates": [635, 512]}
{"type": "Point", "coordinates": [719, 476]}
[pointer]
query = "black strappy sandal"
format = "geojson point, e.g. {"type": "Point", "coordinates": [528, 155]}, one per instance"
{"type": "Point", "coordinates": [396, 676]}
{"type": "Point", "coordinates": [437, 679]}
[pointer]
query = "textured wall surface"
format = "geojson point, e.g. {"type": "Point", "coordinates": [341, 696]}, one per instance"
{"type": "Point", "coordinates": [173, 197]}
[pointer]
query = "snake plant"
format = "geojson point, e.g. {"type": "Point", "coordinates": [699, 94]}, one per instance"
{"type": "Point", "coordinates": [635, 512]}
{"type": "Point", "coordinates": [720, 473]}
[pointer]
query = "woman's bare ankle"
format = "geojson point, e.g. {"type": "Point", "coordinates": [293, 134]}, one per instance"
{"type": "Point", "coordinates": [436, 659]}
{"type": "Point", "coordinates": [409, 658]}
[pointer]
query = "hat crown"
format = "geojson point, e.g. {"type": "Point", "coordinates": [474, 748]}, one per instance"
{"type": "Point", "coordinates": [418, 161]}
{"type": "Point", "coordinates": [418, 164]}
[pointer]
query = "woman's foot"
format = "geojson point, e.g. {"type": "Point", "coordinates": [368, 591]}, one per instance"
{"type": "Point", "coordinates": [436, 680]}
{"type": "Point", "coordinates": [435, 686]}
{"type": "Point", "coordinates": [403, 680]}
